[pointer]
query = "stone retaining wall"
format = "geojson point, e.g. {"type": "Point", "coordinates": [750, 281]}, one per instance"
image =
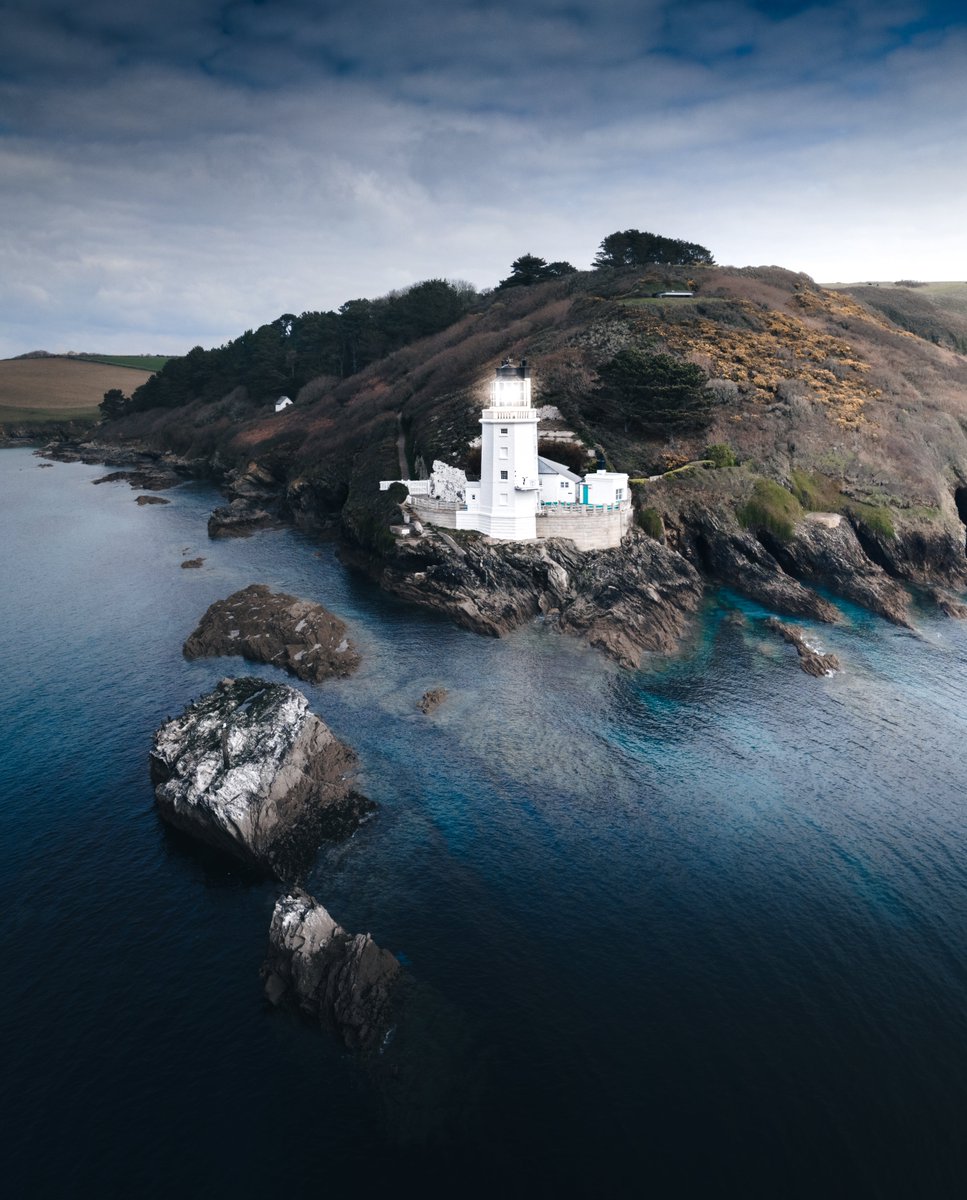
{"type": "Point", "coordinates": [588, 528]}
{"type": "Point", "coordinates": [434, 512]}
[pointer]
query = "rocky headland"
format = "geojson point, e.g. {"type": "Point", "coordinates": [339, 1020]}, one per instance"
{"type": "Point", "coordinates": [814, 401]}
{"type": "Point", "coordinates": [299, 636]}
{"type": "Point", "coordinates": [345, 981]}
{"type": "Point", "coordinates": [251, 771]}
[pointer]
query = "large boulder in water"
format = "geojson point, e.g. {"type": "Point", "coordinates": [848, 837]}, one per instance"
{"type": "Point", "coordinates": [345, 980]}
{"type": "Point", "coordinates": [300, 636]}
{"type": "Point", "coordinates": [250, 770]}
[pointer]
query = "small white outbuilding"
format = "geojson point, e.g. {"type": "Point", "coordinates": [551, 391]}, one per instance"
{"type": "Point", "coordinates": [282, 402]}
{"type": "Point", "coordinates": [558, 483]}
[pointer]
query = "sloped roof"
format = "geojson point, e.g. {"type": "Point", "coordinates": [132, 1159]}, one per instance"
{"type": "Point", "coordinates": [547, 466]}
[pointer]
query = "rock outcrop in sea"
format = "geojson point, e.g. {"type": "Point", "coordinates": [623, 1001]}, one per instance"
{"type": "Point", "coordinates": [251, 771]}
{"type": "Point", "coordinates": [345, 980]}
{"type": "Point", "coordinates": [812, 661]}
{"type": "Point", "coordinates": [150, 478]}
{"type": "Point", "coordinates": [300, 636]}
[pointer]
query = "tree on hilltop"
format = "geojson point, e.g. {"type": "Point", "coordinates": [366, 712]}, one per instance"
{"type": "Point", "coordinates": [632, 248]}
{"type": "Point", "coordinates": [529, 269]}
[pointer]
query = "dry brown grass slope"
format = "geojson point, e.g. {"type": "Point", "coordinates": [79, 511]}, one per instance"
{"type": "Point", "coordinates": [59, 389]}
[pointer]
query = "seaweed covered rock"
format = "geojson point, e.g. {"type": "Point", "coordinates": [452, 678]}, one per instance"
{"type": "Point", "coordinates": [300, 636]}
{"type": "Point", "coordinates": [249, 770]}
{"type": "Point", "coordinates": [345, 980]}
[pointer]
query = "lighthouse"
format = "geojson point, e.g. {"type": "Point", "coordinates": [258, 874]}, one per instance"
{"type": "Point", "coordinates": [505, 503]}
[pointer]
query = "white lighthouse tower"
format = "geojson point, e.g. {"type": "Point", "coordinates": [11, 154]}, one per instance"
{"type": "Point", "coordinates": [505, 503]}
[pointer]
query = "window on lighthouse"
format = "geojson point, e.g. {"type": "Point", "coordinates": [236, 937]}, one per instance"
{"type": "Point", "coordinates": [503, 474]}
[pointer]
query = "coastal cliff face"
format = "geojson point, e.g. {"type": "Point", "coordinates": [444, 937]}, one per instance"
{"type": "Point", "coordinates": [823, 550]}
{"type": "Point", "coordinates": [635, 598]}
{"type": "Point", "coordinates": [249, 770]}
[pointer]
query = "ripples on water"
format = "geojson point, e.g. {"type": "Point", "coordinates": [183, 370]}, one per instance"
{"type": "Point", "coordinates": [692, 930]}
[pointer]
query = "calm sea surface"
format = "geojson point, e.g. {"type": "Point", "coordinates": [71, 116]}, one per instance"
{"type": "Point", "coordinates": [693, 931]}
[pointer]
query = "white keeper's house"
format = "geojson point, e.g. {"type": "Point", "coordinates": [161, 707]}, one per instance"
{"type": "Point", "coordinates": [521, 495]}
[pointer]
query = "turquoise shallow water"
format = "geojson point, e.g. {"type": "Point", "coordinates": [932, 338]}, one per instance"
{"type": "Point", "coordinates": [694, 930]}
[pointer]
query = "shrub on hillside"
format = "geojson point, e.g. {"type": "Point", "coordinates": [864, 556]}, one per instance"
{"type": "Point", "coordinates": [650, 521]}
{"type": "Point", "coordinates": [720, 455]}
{"type": "Point", "coordinates": [816, 493]}
{"type": "Point", "coordinates": [573, 455]}
{"type": "Point", "coordinates": [770, 509]}
{"type": "Point", "coordinates": [874, 518]}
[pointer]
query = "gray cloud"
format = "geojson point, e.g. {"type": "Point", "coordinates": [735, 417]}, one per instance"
{"type": "Point", "coordinates": [176, 174]}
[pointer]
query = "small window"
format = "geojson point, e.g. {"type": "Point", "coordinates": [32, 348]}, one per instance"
{"type": "Point", "coordinates": [563, 483]}
{"type": "Point", "coordinates": [503, 474]}
{"type": "Point", "coordinates": [618, 493]}
{"type": "Point", "coordinates": [504, 430]}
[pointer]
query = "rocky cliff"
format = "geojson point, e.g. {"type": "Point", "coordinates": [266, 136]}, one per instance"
{"type": "Point", "coordinates": [635, 598]}
{"type": "Point", "coordinates": [249, 770]}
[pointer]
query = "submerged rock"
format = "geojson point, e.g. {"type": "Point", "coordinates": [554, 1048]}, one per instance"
{"type": "Point", "coordinates": [345, 980]}
{"type": "Point", "coordinates": [142, 500]}
{"type": "Point", "coordinates": [249, 770]}
{"type": "Point", "coordinates": [432, 699]}
{"type": "Point", "coordinates": [813, 662]}
{"type": "Point", "coordinates": [192, 563]}
{"type": "Point", "coordinates": [300, 636]}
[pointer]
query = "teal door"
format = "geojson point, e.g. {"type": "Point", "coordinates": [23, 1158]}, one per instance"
{"type": "Point", "coordinates": [584, 493]}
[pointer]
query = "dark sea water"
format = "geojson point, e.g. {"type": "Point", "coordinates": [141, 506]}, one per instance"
{"type": "Point", "coordinates": [693, 931]}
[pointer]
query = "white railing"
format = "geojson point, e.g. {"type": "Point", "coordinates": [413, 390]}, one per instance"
{"type": "Point", "coordinates": [415, 487]}
{"type": "Point", "coordinates": [509, 414]}
{"type": "Point", "coordinates": [564, 508]}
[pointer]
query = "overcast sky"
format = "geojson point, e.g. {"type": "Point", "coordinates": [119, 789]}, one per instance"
{"type": "Point", "coordinates": [173, 172]}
